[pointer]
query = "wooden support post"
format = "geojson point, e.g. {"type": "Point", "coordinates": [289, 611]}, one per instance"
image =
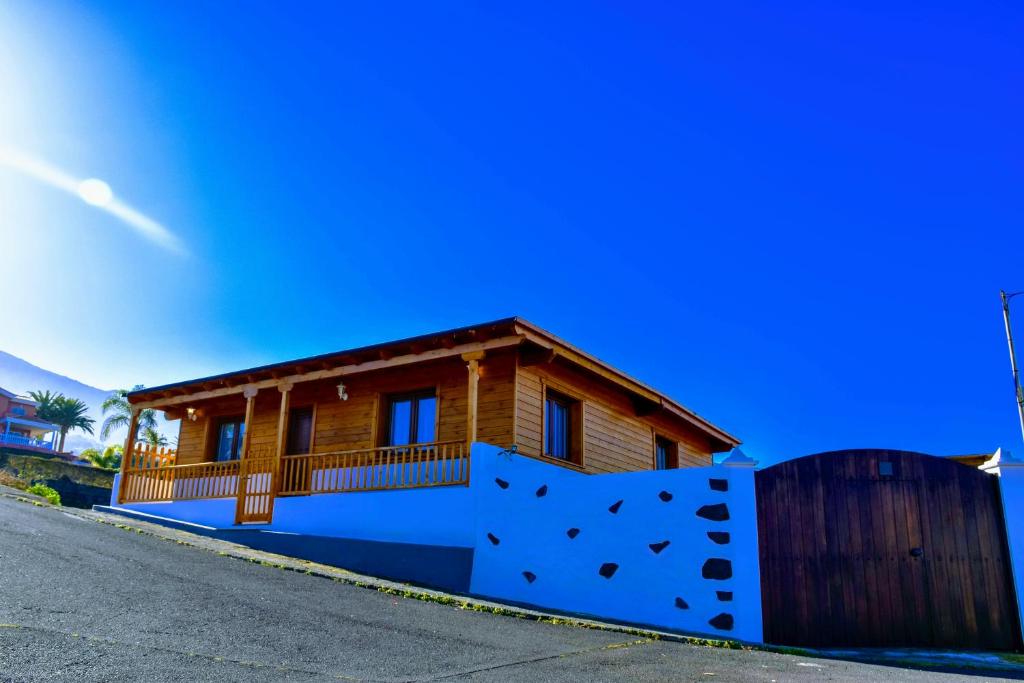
{"type": "Point", "coordinates": [250, 409]}
{"type": "Point", "coordinates": [473, 365]}
{"type": "Point", "coordinates": [282, 419]}
{"type": "Point", "coordinates": [129, 451]}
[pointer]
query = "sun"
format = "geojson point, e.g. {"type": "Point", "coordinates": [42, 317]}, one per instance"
{"type": "Point", "coordinates": [96, 192]}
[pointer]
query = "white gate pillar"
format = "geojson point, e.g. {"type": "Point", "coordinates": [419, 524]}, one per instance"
{"type": "Point", "coordinates": [1011, 489]}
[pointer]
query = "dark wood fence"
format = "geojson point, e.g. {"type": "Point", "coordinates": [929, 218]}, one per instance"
{"type": "Point", "coordinates": [881, 549]}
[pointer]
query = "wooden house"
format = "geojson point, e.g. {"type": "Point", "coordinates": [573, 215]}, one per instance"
{"type": "Point", "coordinates": [402, 414]}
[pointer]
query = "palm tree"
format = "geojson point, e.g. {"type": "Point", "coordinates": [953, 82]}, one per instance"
{"type": "Point", "coordinates": [109, 459]}
{"type": "Point", "coordinates": [45, 400]}
{"type": "Point", "coordinates": [152, 437]}
{"type": "Point", "coordinates": [69, 413]}
{"type": "Point", "coordinates": [121, 414]}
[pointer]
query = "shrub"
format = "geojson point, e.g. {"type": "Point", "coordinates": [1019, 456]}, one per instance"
{"type": "Point", "coordinates": [44, 491]}
{"type": "Point", "coordinates": [8, 479]}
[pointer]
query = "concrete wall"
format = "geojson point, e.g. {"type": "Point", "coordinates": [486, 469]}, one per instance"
{"type": "Point", "coordinates": [673, 549]}
{"type": "Point", "coordinates": [633, 547]}
{"type": "Point", "coordinates": [430, 516]}
{"type": "Point", "coordinates": [1011, 489]}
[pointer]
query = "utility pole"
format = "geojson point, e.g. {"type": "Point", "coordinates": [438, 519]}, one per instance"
{"type": "Point", "coordinates": [1013, 356]}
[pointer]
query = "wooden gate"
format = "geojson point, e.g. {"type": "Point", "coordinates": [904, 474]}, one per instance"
{"type": "Point", "coordinates": [257, 487]}
{"type": "Point", "coordinates": [876, 548]}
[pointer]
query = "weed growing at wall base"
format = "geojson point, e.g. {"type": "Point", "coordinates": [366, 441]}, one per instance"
{"type": "Point", "coordinates": [44, 491]}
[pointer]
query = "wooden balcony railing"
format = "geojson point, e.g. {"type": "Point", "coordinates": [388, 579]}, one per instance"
{"type": "Point", "coordinates": [152, 476]}
{"type": "Point", "coordinates": [180, 482]}
{"type": "Point", "coordinates": [146, 456]}
{"type": "Point", "coordinates": [376, 469]}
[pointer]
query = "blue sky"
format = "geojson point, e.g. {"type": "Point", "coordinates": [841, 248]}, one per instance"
{"type": "Point", "coordinates": [793, 219]}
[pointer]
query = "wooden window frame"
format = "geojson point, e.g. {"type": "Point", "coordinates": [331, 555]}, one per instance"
{"type": "Point", "coordinates": [385, 401]}
{"type": "Point", "coordinates": [213, 438]}
{"type": "Point", "coordinates": [577, 435]}
{"type": "Point", "coordinates": [672, 452]}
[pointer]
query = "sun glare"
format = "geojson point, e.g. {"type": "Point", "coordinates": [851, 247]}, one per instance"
{"type": "Point", "coordinates": [96, 192]}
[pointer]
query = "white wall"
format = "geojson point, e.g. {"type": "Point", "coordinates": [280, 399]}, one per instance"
{"type": "Point", "coordinates": [1011, 489]}
{"type": "Point", "coordinates": [531, 534]}
{"type": "Point", "coordinates": [428, 516]}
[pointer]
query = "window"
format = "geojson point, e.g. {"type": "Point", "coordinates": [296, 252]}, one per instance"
{"type": "Point", "coordinates": [666, 454]}
{"type": "Point", "coordinates": [300, 430]}
{"type": "Point", "coordinates": [230, 431]}
{"type": "Point", "coordinates": [411, 418]}
{"type": "Point", "coordinates": [562, 427]}
{"type": "Point", "coordinates": [17, 410]}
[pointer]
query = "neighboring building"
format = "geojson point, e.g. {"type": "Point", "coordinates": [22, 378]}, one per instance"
{"type": "Point", "coordinates": [19, 425]}
{"type": "Point", "coordinates": [507, 383]}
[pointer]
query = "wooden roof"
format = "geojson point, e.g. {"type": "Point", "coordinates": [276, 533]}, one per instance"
{"type": "Point", "coordinates": [507, 332]}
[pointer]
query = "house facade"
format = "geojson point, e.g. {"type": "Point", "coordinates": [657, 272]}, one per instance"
{"type": "Point", "coordinates": [422, 400]}
{"type": "Point", "coordinates": [19, 425]}
{"type": "Point", "coordinates": [494, 460]}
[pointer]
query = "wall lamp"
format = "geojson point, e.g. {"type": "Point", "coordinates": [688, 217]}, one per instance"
{"type": "Point", "coordinates": [342, 391]}
{"type": "Point", "coordinates": [192, 414]}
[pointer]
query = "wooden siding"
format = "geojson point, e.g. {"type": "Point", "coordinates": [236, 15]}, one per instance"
{"type": "Point", "coordinates": [354, 424]}
{"type": "Point", "coordinates": [615, 439]}
{"type": "Point", "coordinates": [510, 400]}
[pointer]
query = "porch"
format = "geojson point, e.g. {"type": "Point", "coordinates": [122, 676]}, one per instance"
{"type": "Point", "coordinates": [18, 431]}
{"type": "Point", "coordinates": [309, 434]}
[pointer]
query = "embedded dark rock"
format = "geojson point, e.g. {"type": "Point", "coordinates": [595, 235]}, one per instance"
{"type": "Point", "coordinates": [658, 547]}
{"type": "Point", "coordinates": [682, 604]}
{"type": "Point", "coordinates": [542, 491]}
{"type": "Point", "coordinates": [717, 569]}
{"type": "Point", "coordinates": [573, 532]}
{"type": "Point", "coordinates": [493, 539]}
{"type": "Point", "coordinates": [719, 484]}
{"type": "Point", "coordinates": [501, 482]}
{"type": "Point", "coordinates": [614, 509]}
{"type": "Point", "coordinates": [608, 569]}
{"type": "Point", "coordinates": [530, 577]}
{"type": "Point", "coordinates": [722, 622]}
{"type": "Point", "coordinates": [719, 537]}
{"type": "Point", "coordinates": [719, 512]}
{"type": "Point", "coordinates": [665, 496]}
{"type": "Point", "coordinates": [724, 596]}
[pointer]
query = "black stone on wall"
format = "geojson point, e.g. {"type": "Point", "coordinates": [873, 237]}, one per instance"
{"type": "Point", "coordinates": [658, 547]}
{"type": "Point", "coordinates": [719, 537]}
{"type": "Point", "coordinates": [719, 484]}
{"type": "Point", "coordinates": [717, 569]}
{"type": "Point", "coordinates": [723, 622]}
{"type": "Point", "coordinates": [718, 512]}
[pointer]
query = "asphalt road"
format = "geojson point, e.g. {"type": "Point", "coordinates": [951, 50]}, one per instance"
{"type": "Point", "coordinates": [83, 601]}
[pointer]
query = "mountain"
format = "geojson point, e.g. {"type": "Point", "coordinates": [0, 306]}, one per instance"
{"type": "Point", "coordinates": [20, 376]}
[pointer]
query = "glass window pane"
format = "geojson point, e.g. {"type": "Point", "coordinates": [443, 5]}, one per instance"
{"type": "Point", "coordinates": [401, 412]}
{"type": "Point", "coordinates": [240, 428]}
{"type": "Point", "coordinates": [557, 421]}
{"type": "Point", "coordinates": [661, 457]}
{"type": "Point", "coordinates": [226, 441]}
{"type": "Point", "coordinates": [425, 419]}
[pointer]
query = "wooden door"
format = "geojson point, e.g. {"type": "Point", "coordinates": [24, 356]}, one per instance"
{"type": "Point", "coordinates": [884, 549]}
{"type": "Point", "coordinates": [257, 482]}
